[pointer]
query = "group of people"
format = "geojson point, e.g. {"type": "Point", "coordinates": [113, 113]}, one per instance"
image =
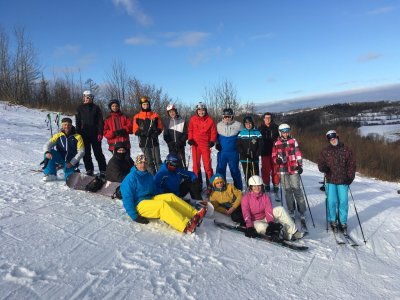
{"type": "Point", "coordinates": [151, 188]}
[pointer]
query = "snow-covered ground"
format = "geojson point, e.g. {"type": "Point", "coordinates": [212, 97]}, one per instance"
{"type": "Point", "coordinates": [56, 243]}
{"type": "Point", "coordinates": [389, 132]}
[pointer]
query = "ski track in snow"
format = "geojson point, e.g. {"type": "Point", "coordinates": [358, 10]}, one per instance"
{"type": "Point", "coordinates": [61, 244]}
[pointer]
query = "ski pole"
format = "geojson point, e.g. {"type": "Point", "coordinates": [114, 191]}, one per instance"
{"type": "Point", "coordinates": [305, 195]}
{"type": "Point", "coordinates": [355, 208]}
{"type": "Point", "coordinates": [190, 152]}
{"type": "Point", "coordinates": [326, 205]}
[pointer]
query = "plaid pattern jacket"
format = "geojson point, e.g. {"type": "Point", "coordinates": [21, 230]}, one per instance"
{"type": "Point", "coordinates": [289, 151]}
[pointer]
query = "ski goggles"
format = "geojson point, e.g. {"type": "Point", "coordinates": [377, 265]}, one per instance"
{"type": "Point", "coordinates": [285, 130]}
{"type": "Point", "coordinates": [172, 163]}
{"type": "Point", "coordinates": [332, 135]}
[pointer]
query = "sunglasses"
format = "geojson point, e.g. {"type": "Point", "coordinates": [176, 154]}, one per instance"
{"type": "Point", "coordinates": [173, 164]}
{"type": "Point", "coordinates": [227, 117]}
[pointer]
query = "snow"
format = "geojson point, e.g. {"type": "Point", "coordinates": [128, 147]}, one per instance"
{"type": "Point", "coordinates": [389, 132]}
{"type": "Point", "coordinates": [56, 243]}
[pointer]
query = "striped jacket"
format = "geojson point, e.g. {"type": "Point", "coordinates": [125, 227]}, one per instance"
{"type": "Point", "coordinates": [249, 144]}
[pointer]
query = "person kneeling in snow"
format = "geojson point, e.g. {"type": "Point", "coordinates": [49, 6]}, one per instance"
{"type": "Point", "coordinates": [141, 202]}
{"type": "Point", "coordinates": [226, 198]}
{"type": "Point", "coordinates": [260, 216]}
{"type": "Point", "coordinates": [172, 179]}
{"type": "Point", "coordinates": [120, 163]}
{"type": "Point", "coordinates": [69, 151]}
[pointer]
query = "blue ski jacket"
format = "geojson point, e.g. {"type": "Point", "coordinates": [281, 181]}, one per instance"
{"type": "Point", "coordinates": [136, 186]}
{"type": "Point", "coordinates": [166, 181]}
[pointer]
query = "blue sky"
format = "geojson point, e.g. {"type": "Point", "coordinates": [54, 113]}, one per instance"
{"type": "Point", "coordinates": [269, 50]}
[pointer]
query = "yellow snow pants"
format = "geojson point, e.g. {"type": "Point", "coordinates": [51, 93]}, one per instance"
{"type": "Point", "coordinates": [168, 208]}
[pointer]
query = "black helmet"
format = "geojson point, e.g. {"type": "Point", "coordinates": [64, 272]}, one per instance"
{"type": "Point", "coordinates": [114, 101]}
{"type": "Point", "coordinates": [248, 119]}
{"type": "Point", "coordinates": [227, 112]}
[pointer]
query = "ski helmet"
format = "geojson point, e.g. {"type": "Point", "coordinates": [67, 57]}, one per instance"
{"type": "Point", "coordinates": [172, 162]}
{"type": "Point", "coordinates": [331, 134]}
{"type": "Point", "coordinates": [227, 112]}
{"type": "Point", "coordinates": [171, 107]}
{"type": "Point", "coordinates": [255, 180]}
{"type": "Point", "coordinates": [144, 99]}
{"type": "Point", "coordinates": [201, 105]}
{"type": "Point", "coordinates": [284, 127]}
{"type": "Point", "coordinates": [248, 119]}
{"type": "Point", "coordinates": [113, 101]}
{"type": "Point", "coordinates": [88, 94]}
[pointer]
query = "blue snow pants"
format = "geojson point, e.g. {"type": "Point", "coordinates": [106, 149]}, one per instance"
{"type": "Point", "coordinates": [231, 159]}
{"type": "Point", "coordinates": [337, 200]}
{"type": "Point", "coordinates": [57, 159]}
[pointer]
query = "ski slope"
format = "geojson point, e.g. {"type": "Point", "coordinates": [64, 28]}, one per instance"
{"type": "Point", "coordinates": [56, 243]}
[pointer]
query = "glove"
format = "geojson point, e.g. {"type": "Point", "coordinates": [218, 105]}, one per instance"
{"type": "Point", "coordinates": [273, 228]}
{"type": "Point", "coordinates": [218, 147]}
{"type": "Point", "coordinates": [120, 132]}
{"type": "Point", "coordinates": [299, 170]}
{"type": "Point", "coordinates": [141, 220]}
{"type": "Point", "coordinates": [211, 144]}
{"type": "Point", "coordinates": [348, 181]}
{"type": "Point", "coordinates": [99, 138]}
{"type": "Point", "coordinates": [279, 161]}
{"type": "Point", "coordinates": [191, 142]}
{"type": "Point", "coordinates": [325, 169]}
{"type": "Point", "coordinates": [251, 232]}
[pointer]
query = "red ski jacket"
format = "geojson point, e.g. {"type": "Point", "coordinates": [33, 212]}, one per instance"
{"type": "Point", "coordinates": [202, 130]}
{"type": "Point", "coordinates": [117, 121]}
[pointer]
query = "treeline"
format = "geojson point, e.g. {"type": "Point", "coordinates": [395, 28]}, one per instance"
{"type": "Point", "coordinates": [23, 82]}
{"type": "Point", "coordinates": [375, 156]}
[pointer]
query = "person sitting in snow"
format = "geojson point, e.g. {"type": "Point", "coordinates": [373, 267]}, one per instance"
{"type": "Point", "coordinates": [141, 202]}
{"type": "Point", "coordinates": [120, 163]}
{"type": "Point", "coordinates": [261, 218]}
{"type": "Point", "coordinates": [69, 149]}
{"type": "Point", "coordinates": [226, 198]}
{"type": "Point", "coordinates": [172, 179]}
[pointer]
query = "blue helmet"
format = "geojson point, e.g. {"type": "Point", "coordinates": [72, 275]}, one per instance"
{"type": "Point", "coordinates": [172, 159]}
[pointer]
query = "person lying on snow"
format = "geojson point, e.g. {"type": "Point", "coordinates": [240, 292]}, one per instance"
{"type": "Point", "coordinates": [68, 152]}
{"type": "Point", "coordinates": [226, 198]}
{"type": "Point", "coordinates": [261, 218]}
{"type": "Point", "coordinates": [141, 202]}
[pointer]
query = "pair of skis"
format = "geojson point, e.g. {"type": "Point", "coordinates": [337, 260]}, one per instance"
{"type": "Point", "coordinates": [264, 238]}
{"type": "Point", "coordinates": [344, 239]}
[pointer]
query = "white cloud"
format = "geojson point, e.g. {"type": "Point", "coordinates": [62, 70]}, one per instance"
{"type": "Point", "coordinates": [381, 10]}
{"type": "Point", "coordinates": [132, 9]}
{"type": "Point", "coordinates": [369, 56]}
{"type": "Point", "coordinates": [137, 40]}
{"type": "Point", "coordinates": [67, 50]}
{"type": "Point", "coordinates": [186, 39]}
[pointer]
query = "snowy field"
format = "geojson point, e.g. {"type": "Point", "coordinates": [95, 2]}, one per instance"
{"type": "Point", "coordinates": [56, 243]}
{"type": "Point", "coordinates": [390, 132]}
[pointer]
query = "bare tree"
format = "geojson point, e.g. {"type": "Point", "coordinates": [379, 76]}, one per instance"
{"type": "Point", "coordinates": [5, 68]}
{"type": "Point", "coordinates": [117, 82]}
{"type": "Point", "coordinates": [92, 86]}
{"type": "Point", "coordinates": [220, 96]}
{"type": "Point", "coordinates": [26, 70]}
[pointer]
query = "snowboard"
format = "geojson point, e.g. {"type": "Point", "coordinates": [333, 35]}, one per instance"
{"type": "Point", "coordinates": [79, 181]}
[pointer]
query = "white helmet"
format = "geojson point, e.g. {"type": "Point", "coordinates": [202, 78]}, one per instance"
{"type": "Point", "coordinates": [171, 106]}
{"type": "Point", "coordinates": [255, 180]}
{"type": "Point", "coordinates": [284, 127]}
{"type": "Point", "coordinates": [331, 134]}
{"type": "Point", "coordinates": [88, 93]}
